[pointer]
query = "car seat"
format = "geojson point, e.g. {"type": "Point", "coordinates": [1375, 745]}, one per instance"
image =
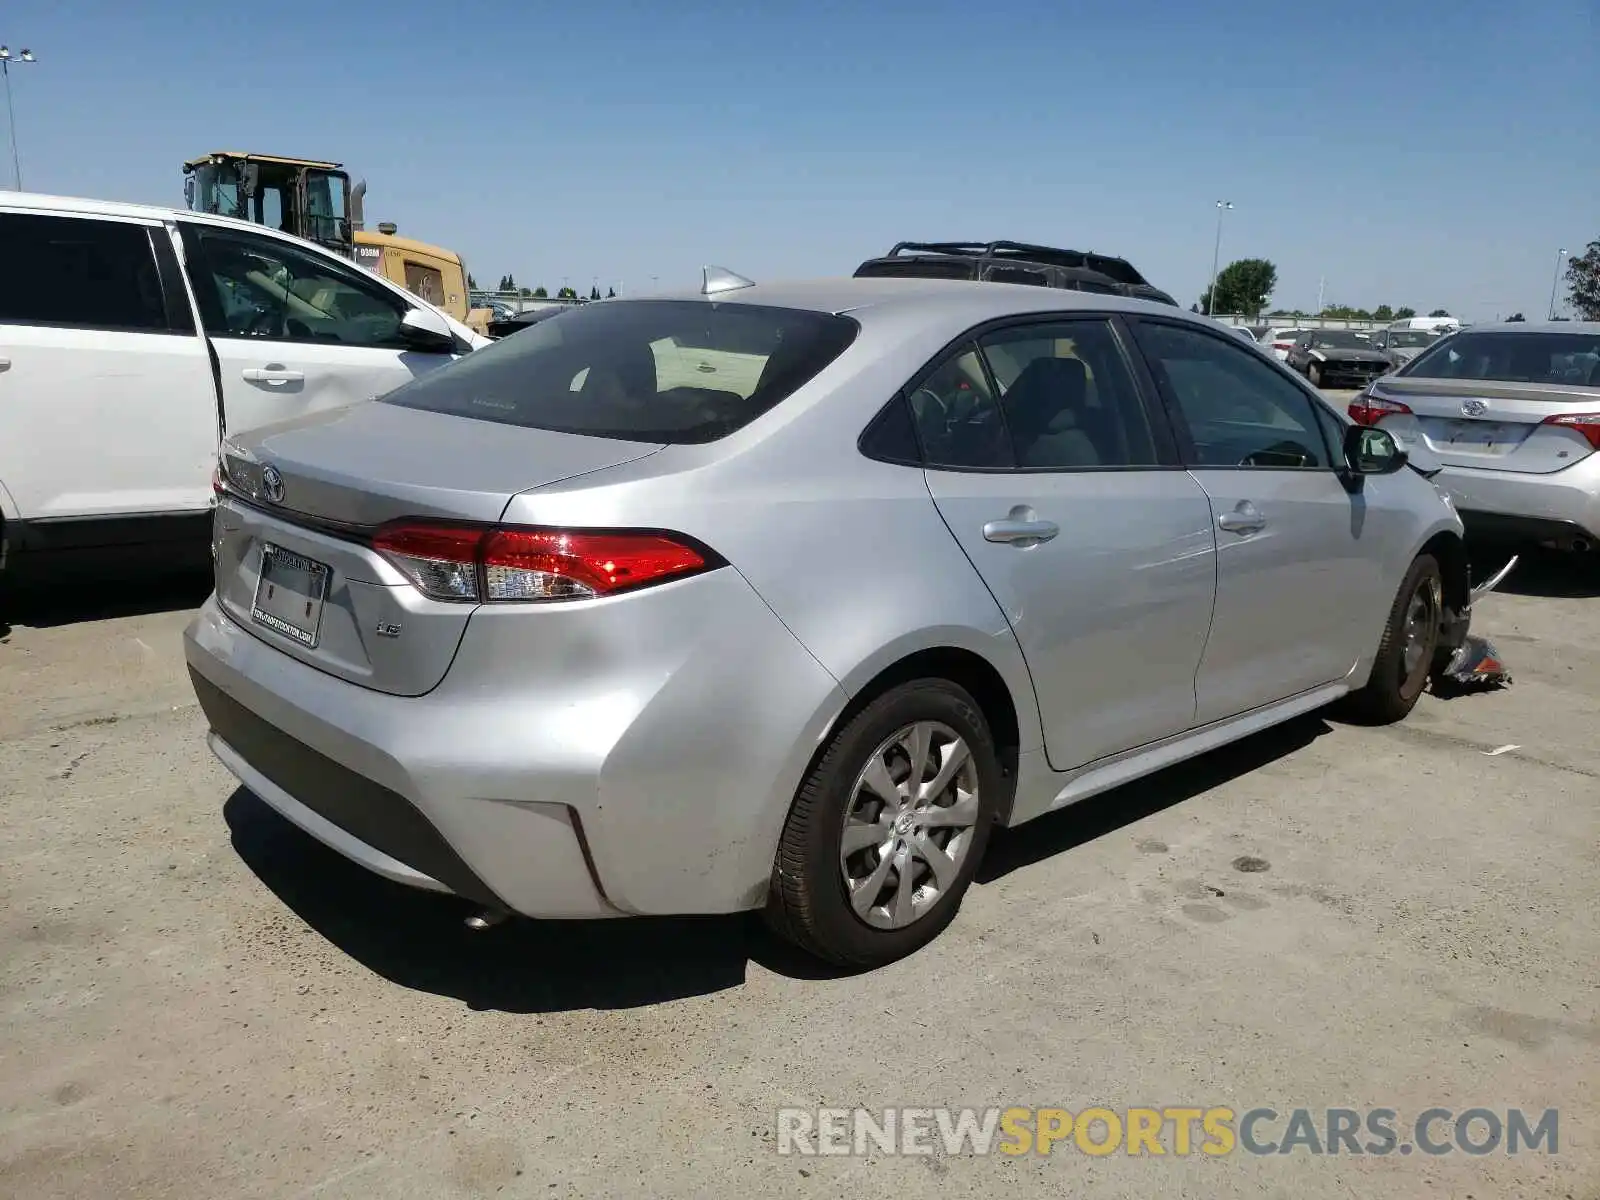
{"type": "Point", "coordinates": [1050, 419]}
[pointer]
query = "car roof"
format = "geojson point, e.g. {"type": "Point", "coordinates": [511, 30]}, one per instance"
{"type": "Point", "coordinates": [956, 298]}
{"type": "Point", "coordinates": [83, 206]}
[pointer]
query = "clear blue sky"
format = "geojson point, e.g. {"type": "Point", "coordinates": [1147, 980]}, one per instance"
{"type": "Point", "coordinates": [1430, 154]}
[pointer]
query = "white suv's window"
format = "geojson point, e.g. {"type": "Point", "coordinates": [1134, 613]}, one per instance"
{"type": "Point", "coordinates": [264, 288]}
{"type": "Point", "coordinates": [79, 272]}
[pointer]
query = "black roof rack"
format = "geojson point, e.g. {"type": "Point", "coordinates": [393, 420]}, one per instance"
{"type": "Point", "coordinates": [1117, 268]}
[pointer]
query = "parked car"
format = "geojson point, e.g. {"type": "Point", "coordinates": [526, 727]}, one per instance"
{"type": "Point", "coordinates": [1015, 262]}
{"type": "Point", "coordinates": [132, 338]}
{"type": "Point", "coordinates": [1511, 413]}
{"type": "Point", "coordinates": [516, 322]}
{"type": "Point", "coordinates": [1400, 346]}
{"type": "Point", "coordinates": [1244, 332]}
{"type": "Point", "coordinates": [576, 628]}
{"type": "Point", "coordinates": [1336, 358]}
{"type": "Point", "coordinates": [1281, 340]}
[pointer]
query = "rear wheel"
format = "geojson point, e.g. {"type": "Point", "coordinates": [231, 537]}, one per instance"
{"type": "Point", "coordinates": [1408, 649]}
{"type": "Point", "coordinates": [887, 830]}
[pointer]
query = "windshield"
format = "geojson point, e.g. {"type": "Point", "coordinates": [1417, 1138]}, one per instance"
{"type": "Point", "coordinates": [1553, 358]}
{"type": "Point", "coordinates": [1410, 339]}
{"type": "Point", "coordinates": [1342, 339]}
{"type": "Point", "coordinates": [677, 371]}
{"type": "Point", "coordinates": [216, 190]}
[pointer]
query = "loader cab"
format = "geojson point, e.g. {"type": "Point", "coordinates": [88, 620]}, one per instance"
{"type": "Point", "coordinates": [303, 197]}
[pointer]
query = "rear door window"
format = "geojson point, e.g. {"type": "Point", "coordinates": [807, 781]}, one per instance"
{"type": "Point", "coordinates": [1068, 396]}
{"type": "Point", "coordinates": [80, 273]}
{"type": "Point", "coordinates": [674, 371]}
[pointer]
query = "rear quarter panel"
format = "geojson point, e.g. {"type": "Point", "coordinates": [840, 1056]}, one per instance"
{"type": "Point", "coordinates": [850, 553]}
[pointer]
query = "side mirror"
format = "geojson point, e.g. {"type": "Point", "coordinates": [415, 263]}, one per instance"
{"type": "Point", "coordinates": [424, 329]}
{"type": "Point", "coordinates": [1369, 451]}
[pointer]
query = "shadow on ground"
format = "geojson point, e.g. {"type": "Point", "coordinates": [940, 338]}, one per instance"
{"type": "Point", "coordinates": [68, 599]}
{"type": "Point", "coordinates": [1055, 833]}
{"type": "Point", "coordinates": [1548, 573]}
{"type": "Point", "coordinates": [418, 939]}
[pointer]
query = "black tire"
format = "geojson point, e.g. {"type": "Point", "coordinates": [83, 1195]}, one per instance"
{"type": "Point", "coordinates": [1314, 374]}
{"type": "Point", "coordinates": [1392, 691]}
{"type": "Point", "coordinates": [809, 902]}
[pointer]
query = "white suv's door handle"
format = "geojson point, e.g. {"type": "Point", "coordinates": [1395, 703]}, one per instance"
{"type": "Point", "coordinates": [1245, 518]}
{"type": "Point", "coordinates": [5, 364]}
{"type": "Point", "coordinates": [272, 375]}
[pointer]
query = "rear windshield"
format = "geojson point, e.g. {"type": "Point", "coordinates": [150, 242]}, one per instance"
{"type": "Point", "coordinates": [676, 371]}
{"type": "Point", "coordinates": [1553, 358]}
{"type": "Point", "coordinates": [1406, 339]}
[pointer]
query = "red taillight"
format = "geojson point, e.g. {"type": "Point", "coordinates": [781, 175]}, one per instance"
{"type": "Point", "coordinates": [217, 486]}
{"type": "Point", "coordinates": [1367, 409]}
{"type": "Point", "coordinates": [469, 562]}
{"type": "Point", "coordinates": [1587, 424]}
{"type": "Point", "coordinates": [1283, 345]}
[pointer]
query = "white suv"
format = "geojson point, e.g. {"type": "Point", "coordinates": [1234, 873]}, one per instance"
{"type": "Point", "coordinates": [133, 338]}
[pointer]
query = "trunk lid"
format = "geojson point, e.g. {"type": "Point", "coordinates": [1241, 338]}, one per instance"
{"type": "Point", "coordinates": [294, 561]}
{"type": "Point", "coordinates": [1487, 424]}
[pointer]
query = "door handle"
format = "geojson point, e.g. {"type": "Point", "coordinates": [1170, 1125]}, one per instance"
{"type": "Point", "coordinates": [1019, 532]}
{"type": "Point", "coordinates": [5, 364]}
{"type": "Point", "coordinates": [271, 375]}
{"type": "Point", "coordinates": [1245, 518]}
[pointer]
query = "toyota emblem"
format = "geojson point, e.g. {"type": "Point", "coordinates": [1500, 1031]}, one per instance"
{"type": "Point", "coordinates": [1473, 408]}
{"type": "Point", "coordinates": [272, 484]}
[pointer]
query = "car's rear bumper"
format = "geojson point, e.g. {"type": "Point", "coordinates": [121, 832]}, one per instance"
{"type": "Point", "coordinates": [572, 775]}
{"type": "Point", "coordinates": [1560, 507]}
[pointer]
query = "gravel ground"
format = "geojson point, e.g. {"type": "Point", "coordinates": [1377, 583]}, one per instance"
{"type": "Point", "coordinates": [198, 1001]}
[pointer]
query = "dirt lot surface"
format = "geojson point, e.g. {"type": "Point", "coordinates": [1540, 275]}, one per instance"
{"type": "Point", "coordinates": [197, 1001]}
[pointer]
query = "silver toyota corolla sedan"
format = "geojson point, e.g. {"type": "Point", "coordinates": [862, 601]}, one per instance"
{"type": "Point", "coordinates": [1511, 416]}
{"type": "Point", "coordinates": [782, 597]}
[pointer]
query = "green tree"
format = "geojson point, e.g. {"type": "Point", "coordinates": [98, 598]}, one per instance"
{"type": "Point", "coordinates": [1515, 317]}
{"type": "Point", "coordinates": [1403, 314]}
{"type": "Point", "coordinates": [1583, 283]}
{"type": "Point", "coordinates": [594, 293]}
{"type": "Point", "coordinates": [528, 292]}
{"type": "Point", "coordinates": [1439, 312]}
{"type": "Point", "coordinates": [1243, 286]}
{"type": "Point", "coordinates": [611, 293]}
{"type": "Point", "coordinates": [472, 284]}
{"type": "Point", "coordinates": [540, 294]}
{"type": "Point", "coordinates": [1383, 313]}
{"type": "Point", "coordinates": [1346, 312]}
{"type": "Point", "coordinates": [566, 293]}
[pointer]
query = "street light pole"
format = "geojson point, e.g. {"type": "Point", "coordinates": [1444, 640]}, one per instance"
{"type": "Point", "coordinates": [11, 113]}
{"type": "Point", "coordinates": [1216, 249]}
{"type": "Point", "coordinates": [1555, 279]}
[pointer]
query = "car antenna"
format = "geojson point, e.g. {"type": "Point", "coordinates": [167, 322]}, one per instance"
{"type": "Point", "coordinates": [714, 280]}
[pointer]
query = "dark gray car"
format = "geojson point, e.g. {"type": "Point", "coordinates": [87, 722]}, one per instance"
{"type": "Point", "coordinates": [1337, 358]}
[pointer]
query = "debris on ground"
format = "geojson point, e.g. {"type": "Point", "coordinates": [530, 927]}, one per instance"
{"type": "Point", "coordinates": [1476, 666]}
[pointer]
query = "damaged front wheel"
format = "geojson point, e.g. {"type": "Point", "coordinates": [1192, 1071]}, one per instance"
{"type": "Point", "coordinates": [1406, 654]}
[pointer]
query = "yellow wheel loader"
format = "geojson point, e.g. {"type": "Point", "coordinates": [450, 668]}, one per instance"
{"type": "Point", "coordinates": [313, 199]}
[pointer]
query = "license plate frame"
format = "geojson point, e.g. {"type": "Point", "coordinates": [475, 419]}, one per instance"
{"type": "Point", "coordinates": [294, 612]}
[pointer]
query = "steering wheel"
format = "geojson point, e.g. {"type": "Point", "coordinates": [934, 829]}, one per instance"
{"type": "Point", "coordinates": [944, 406]}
